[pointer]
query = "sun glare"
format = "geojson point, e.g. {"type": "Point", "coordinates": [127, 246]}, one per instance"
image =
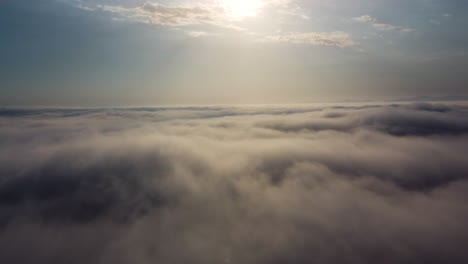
{"type": "Point", "coordinates": [239, 9]}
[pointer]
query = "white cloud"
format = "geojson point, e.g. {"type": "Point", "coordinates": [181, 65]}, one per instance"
{"type": "Point", "coordinates": [365, 18]}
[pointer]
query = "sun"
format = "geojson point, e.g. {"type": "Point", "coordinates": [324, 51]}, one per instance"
{"type": "Point", "coordinates": [239, 9]}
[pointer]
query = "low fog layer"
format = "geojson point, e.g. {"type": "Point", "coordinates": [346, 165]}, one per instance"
{"type": "Point", "coordinates": [247, 185]}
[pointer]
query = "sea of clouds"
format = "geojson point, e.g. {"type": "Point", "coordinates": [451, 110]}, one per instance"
{"type": "Point", "coordinates": [249, 185]}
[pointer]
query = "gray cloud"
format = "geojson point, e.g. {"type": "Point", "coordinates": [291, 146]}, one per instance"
{"type": "Point", "coordinates": [308, 184]}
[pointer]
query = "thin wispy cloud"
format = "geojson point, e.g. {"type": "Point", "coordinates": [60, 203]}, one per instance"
{"type": "Point", "coordinates": [388, 27]}
{"type": "Point", "coordinates": [191, 13]}
{"type": "Point", "coordinates": [197, 34]}
{"type": "Point", "coordinates": [206, 13]}
{"type": "Point", "coordinates": [365, 18]}
{"type": "Point", "coordinates": [381, 26]}
{"type": "Point", "coordinates": [336, 39]}
{"type": "Point", "coordinates": [154, 13]}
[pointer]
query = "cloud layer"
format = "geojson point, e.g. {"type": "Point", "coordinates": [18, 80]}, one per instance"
{"type": "Point", "coordinates": [303, 184]}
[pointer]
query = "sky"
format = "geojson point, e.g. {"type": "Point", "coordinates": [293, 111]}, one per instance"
{"type": "Point", "coordinates": [144, 53]}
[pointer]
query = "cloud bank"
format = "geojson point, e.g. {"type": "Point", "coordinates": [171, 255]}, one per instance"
{"type": "Point", "coordinates": [302, 184]}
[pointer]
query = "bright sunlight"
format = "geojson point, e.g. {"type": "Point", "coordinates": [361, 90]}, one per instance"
{"type": "Point", "coordinates": [239, 9]}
